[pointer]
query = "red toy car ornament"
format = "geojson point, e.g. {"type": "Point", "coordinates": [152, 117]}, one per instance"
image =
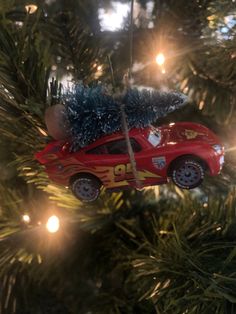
{"type": "Point", "coordinates": [182, 151]}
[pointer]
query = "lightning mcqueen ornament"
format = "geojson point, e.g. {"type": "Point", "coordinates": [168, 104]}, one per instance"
{"type": "Point", "coordinates": [183, 152]}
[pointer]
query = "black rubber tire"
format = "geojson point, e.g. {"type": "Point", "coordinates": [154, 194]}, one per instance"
{"type": "Point", "coordinates": [86, 188]}
{"type": "Point", "coordinates": [187, 173]}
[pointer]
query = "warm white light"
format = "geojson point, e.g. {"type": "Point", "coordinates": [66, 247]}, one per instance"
{"type": "Point", "coordinates": [53, 224]}
{"type": "Point", "coordinates": [98, 73]}
{"type": "Point", "coordinates": [19, 23]}
{"type": "Point", "coordinates": [160, 59]}
{"type": "Point", "coordinates": [113, 19]}
{"type": "Point", "coordinates": [26, 218]}
{"type": "Point", "coordinates": [67, 81]}
{"type": "Point", "coordinates": [163, 71]}
{"type": "Point", "coordinates": [31, 8]}
{"type": "Point", "coordinates": [54, 67]}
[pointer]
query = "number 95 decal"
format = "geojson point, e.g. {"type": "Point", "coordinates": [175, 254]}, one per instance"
{"type": "Point", "coordinates": [123, 172]}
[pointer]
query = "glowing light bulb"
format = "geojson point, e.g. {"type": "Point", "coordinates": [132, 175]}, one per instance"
{"type": "Point", "coordinates": [54, 67]}
{"type": "Point", "coordinates": [163, 71]}
{"type": "Point", "coordinates": [98, 73]}
{"type": "Point", "coordinates": [26, 218]}
{"type": "Point", "coordinates": [160, 59]}
{"type": "Point", "coordinates": [31, 8]}
{"type": "Point", "coordinates": [53, 224]}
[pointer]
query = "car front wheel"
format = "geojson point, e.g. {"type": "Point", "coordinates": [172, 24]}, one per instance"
{"type": "Point", "coordinates": [86, 188]}
{"type": "Point", "coordinates": [187, 173]}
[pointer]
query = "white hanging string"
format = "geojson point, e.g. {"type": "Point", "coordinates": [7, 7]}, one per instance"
{"type": "Point", "coordinates": [127, 81]}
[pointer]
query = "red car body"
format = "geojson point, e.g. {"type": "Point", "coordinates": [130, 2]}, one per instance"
{"type": "Point", "coordinates": [156, 150]}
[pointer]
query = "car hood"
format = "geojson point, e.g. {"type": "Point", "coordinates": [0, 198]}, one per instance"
{"type": "Point", "coordinates": [183, 131]}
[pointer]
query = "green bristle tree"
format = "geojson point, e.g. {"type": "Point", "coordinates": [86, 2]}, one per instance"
{"type": "Point", "coordinates": [159, 250]}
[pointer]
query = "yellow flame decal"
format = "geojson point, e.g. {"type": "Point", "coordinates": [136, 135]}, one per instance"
{"type": "Point", "coordinates": [143, 175]}
{"type": "Point", "coordinates": [191, 134]}
{"type": "Point", "coordinates": [107, 175]}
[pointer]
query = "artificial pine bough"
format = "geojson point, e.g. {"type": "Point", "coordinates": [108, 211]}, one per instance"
{"type": "Point", "coordinates": [92, 113]}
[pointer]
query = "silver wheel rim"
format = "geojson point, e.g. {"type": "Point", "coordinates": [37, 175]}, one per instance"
{"type": "Point", "coordinates": [189, 174]}
{"type": "Point", "coordinates": [85, 189]}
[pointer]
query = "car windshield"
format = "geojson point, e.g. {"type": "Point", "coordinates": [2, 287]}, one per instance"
{"type": "Point", "coordinates": [154, 137]}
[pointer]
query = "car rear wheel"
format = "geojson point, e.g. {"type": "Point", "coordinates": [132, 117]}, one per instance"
{"type": "Point", "coordinates": [187, 173]}
{"type": "Point", "coordinates": [86, 188]}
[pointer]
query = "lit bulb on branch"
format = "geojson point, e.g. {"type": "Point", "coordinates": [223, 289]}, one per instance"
{"type": "Point", "coordinates": [160, 59]}
{"type": "Point", "coordinates": [53, 224]}
{"type": "Point", "coordinates": [54, 67]}
{"type": "Point", "coordinates": [26, 218]}
{"type": "Point", "coordinates": [98, 72]}
{"type": "Point", "coordinates": [31, 8]}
